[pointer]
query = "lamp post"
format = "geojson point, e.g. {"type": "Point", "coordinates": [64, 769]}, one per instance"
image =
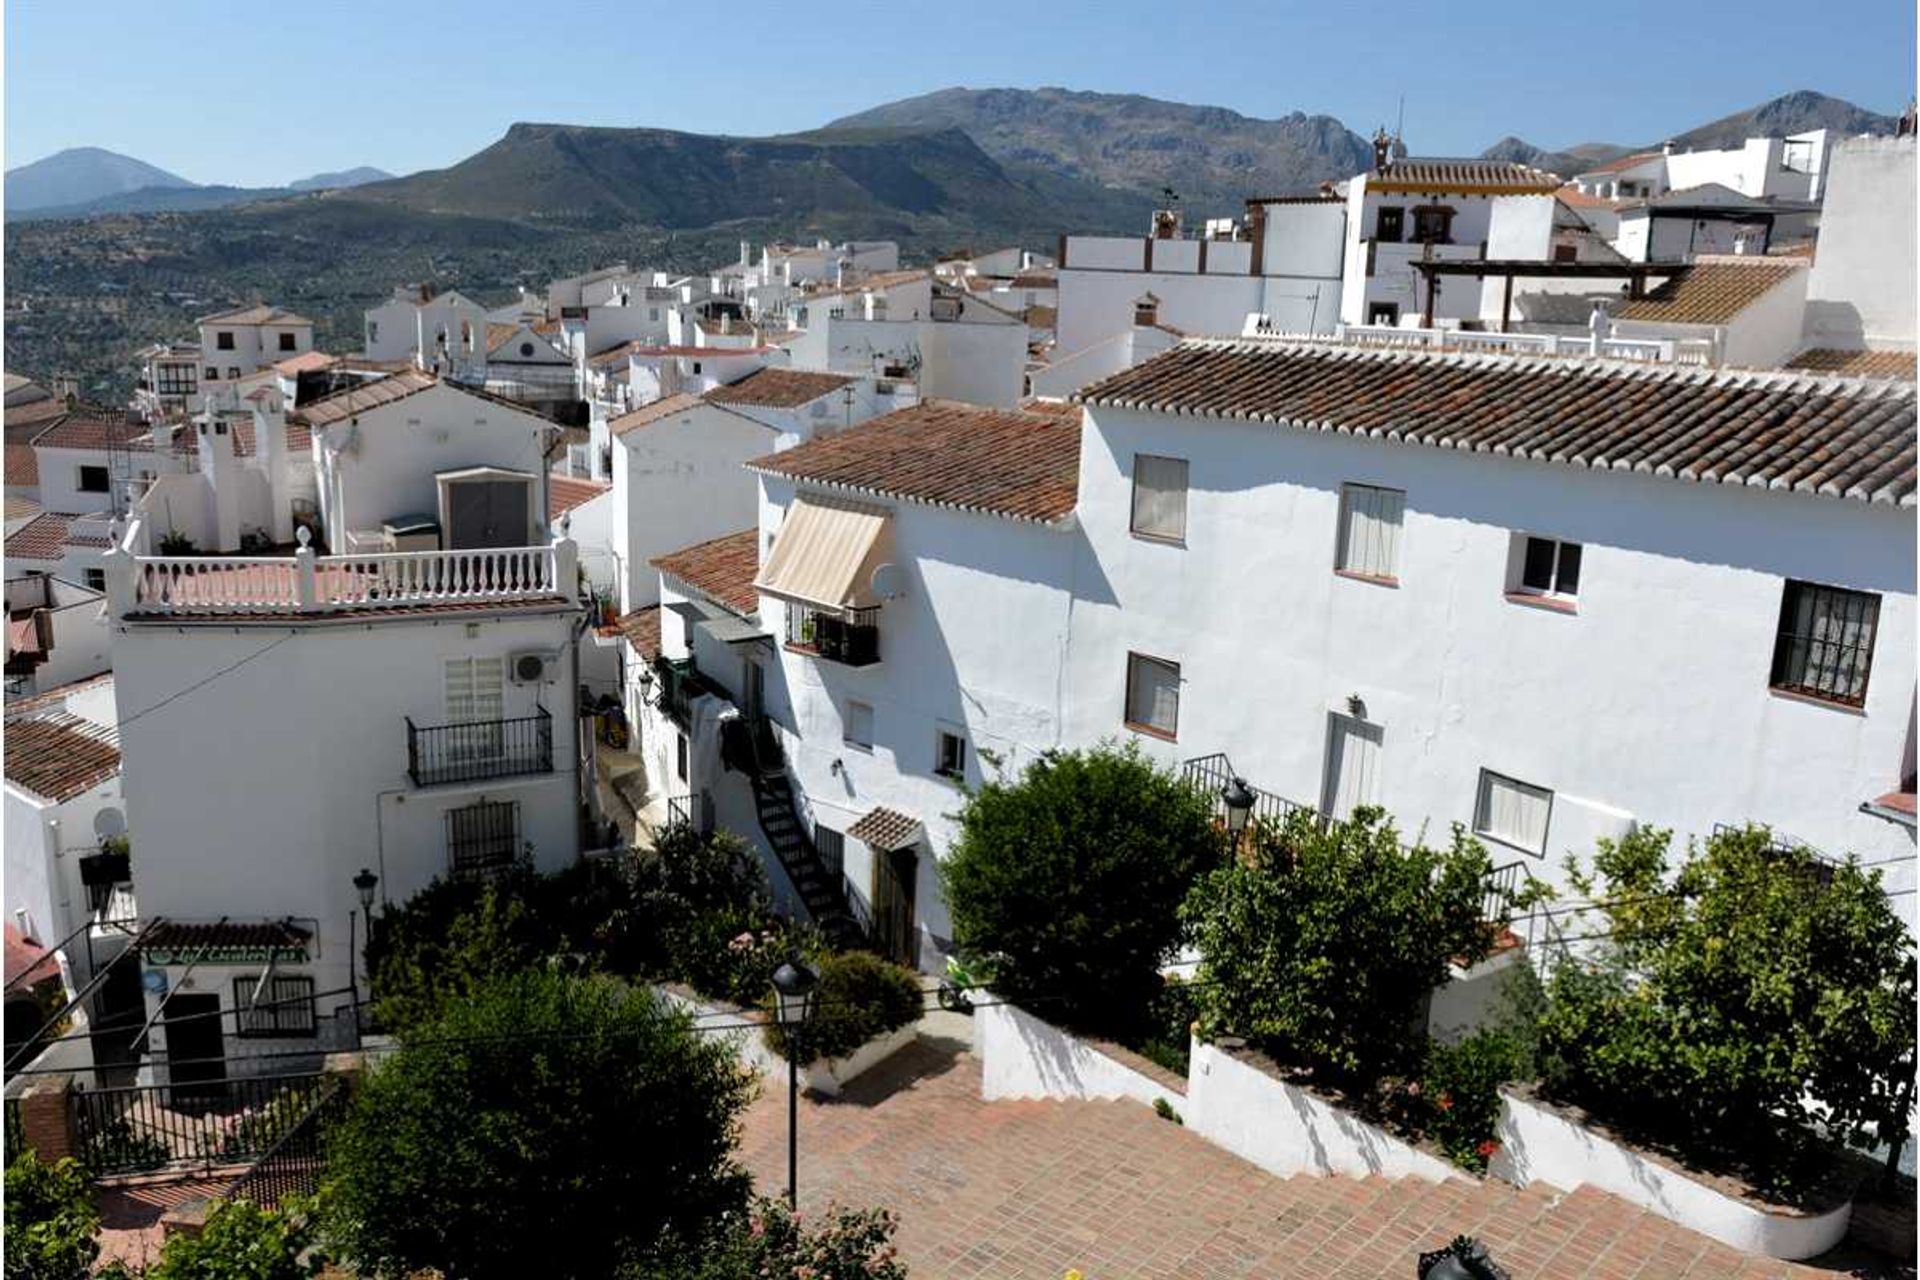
{"type": "Point", "coordinates": [1238, 798]}
{"type": "Point", "coordinates": [364, 885]}
{"type": "Point", "coordinates": [793, 984]}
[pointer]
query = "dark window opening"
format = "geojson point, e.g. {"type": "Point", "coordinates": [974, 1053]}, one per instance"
{"type": "Point", "coordinates": [223, 341]}
{"type": "Point", "coordinates": [1824, 647]}
{"type": "Point", "coordinates": [1390, 225]}
{"type": "Point", "coordinates": [1433, 224]}
{"type": "Point", "coordinates": [94, 480]}
{"type": "Point", "coordinates": [285, 1006]}
{"type": "Point", "coordinates": [96, 579]}
{"type": "Point", "coordinates": [483, 839]}
{"type": "Point", "coordinates": [1551, 568]}
{"type": "Point", "coordinates": [1387, 313]}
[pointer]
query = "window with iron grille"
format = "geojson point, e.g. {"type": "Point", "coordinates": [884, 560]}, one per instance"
{"type": "Point", "coordinates": [285, 1007]}
{"type": "Point", "coordinates": [1389, 224]}
{"type": "Point", "coordinates": [1824, 647]}
{"type": "Point", "coordinates": [483, 838]}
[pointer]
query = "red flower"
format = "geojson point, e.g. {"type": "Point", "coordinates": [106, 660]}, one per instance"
{"type": "Point", "coordinates": [1444, 1102]}
{"type": "Point", "coordinates": [1487, 1148]}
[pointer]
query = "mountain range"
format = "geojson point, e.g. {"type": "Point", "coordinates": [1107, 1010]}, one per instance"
{"type": "Point", "coordinates": [84, 181]}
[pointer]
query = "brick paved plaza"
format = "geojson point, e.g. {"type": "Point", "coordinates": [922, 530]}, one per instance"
{"type": "Point", "coordinates": [1019, 1189]}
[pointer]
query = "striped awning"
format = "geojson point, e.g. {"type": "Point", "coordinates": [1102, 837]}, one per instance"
{"type": "Point", "coordinates": [825, 553]}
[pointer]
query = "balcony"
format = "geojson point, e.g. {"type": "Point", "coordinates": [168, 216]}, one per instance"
{"type": "Point", "coordinates": [438, 754]}
{"type": "Point", "coordinates": [680, 683]}
{"type": "Point", "coordinates": [851, 639]}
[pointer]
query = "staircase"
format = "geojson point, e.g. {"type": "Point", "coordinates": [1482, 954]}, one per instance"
{"type": "Point", "coordinates": [750, 747]}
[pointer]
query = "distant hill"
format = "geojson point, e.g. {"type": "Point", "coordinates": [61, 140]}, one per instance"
{"type": "Point", "coordinates": [1796, 112]}
{"type": "Point", "coordinates": [80, 174]}
{"type": "Point", "coordinates": [154, 200]}
{"type": "Point", "coordinates": [1210, 156]}
{"type": "Point", "coordinates": [344, 178]}
{"type": "Point", "coordinates": [888, 179]}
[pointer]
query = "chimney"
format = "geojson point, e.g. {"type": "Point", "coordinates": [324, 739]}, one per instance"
{"type": "Point", "coordinates": [746, 254]}
{"type": "Point", "coordinates": [1666, 148]}
{"type": "Point", "coordinates": [217, 465]}
{"type": "Point", "coordinates": [840, 274]}
{"type": "Point", "coordinates": [270, 445]}
{"type": "Point", "coordinates": [1600, 323]}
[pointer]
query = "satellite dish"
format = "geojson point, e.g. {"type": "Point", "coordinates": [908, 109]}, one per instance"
{"type": "Point", "coordinates": [889, 581]}
{"type": "Point", "coordinates": [108, 823]}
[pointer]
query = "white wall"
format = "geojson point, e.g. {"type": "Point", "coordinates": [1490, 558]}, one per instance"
{"type": "Point", "coordinates": [60, 478]}
{"type": "Point", "coordinates": [390, 331]}
{"type": "Point", "coordinates": [1097, 304]}
{"type": "Point", "coordinates": [677, 482]}
{"type": "Point", "coordinates": [279, 768]}
{"type": "Point", "coordinates": [1631, 703]}
{"type": "Point", "coordinates": [1024, 1057]}
{"type": "Point", "coordinates": [44, 844]}
{"type": "Point", "coordinates": [1861, 291]}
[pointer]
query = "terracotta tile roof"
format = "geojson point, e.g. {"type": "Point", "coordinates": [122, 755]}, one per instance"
{"type": "Point", "coordinates": [994, 461]}
{"type": "Point", "coordinates": [55, 697]}
{"type": "Point", "coordinates": [34, 414]}
{"type": "Point", "coordinates": [48, 535]}
{"type": "Point", "coordinates": [885, 829]}
{"type": "Point", "coordinates": [1850, 364]}
{"type": "Point", "coordinates": [778, 388]}
{"type": "Point", "coordinates": [1036, 278]}
{"type": "Point", "coordinates": [564, 493]}
{"type": "Point", "coordinates": [78, 431]}
{"type": "Point", "coordinates": [173, 936]}
{"type": "Point", "coordinates": [1574, 197]}
{"type": "Point", "coordinates": [57, 756]}
{"type": "Point", "coordinates": [305, 362]}
{"type": "Point", "coordinates": [255, 315]}
{"type": "Point", "coordinates": [642, 630]}
{"type": "Point", "coordinates": [1625, 162]}
{"type": "Point", "coordinates": [1710, 292]}
{"type": "Point", "coordinates": [1898, 801]}
{"type": "Point", "coordinates": [1803, 433]}
{"type": "Point", "coordinates": [879, 280]}
{"type": "Point", "coordinates": [368, 395]}
{"type": "Point", "coordinates": [20, 507]}
{"type": "Point", "coordinates": [27, 962]}
{"type": "Point", "coordinates": [1467, 177]}
{"type": "Point", "coordinates": [722, 569]}
{"type": "Point", "coordinates": [660, 409]}
{"type": "Point", "coordinates": [498, 331]}
{"type": "Point", "coordinates": [23, 466]}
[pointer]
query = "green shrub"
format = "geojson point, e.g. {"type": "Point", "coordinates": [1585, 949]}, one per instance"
{"type": "Point", "coordinates": [1459, 1092]}
{"type": "Point", "coordinates": [1750, 989]}
{"type": "Point", "coordinates": [770, 1241]}
{"type": "Point", "coordinates": [1070, 881]}
{"type": "Point", "coordinates": [1165, 1035]}
{"type": "Point", "coordinates": [546, 1124]}
{"type": "Point", "coordinates": [50, 1220]}
{"type": "Point", "coordinates": [240, 1241]}
{"type": "Point", "coordinates": [1322, 945]}
{"type": "Point", "coordinates": [452, 937]}
{"type": "Point", "coordinates": [860, 996]}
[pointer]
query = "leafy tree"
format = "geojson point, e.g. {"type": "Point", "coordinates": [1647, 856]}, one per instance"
{"type": "Point", "coordinates": [1071, 880]}
{"type": "Point", "coordinates": [860, 996]}
{"type": "Point", "coordinates": [544, 1124]}
{"type": "Point", "coordinates": [1322, 945]}
{"type": "Point", "coordinates": [452, 937]}
{"type": "Point", "coordinates": [769, 1240]}
{"type": "Point", "coordinates": [240, 1241]}
{"type": "Point", "coordinates": [1751, 982]}
{"type": "Point", "coordinates": [51, 1220]}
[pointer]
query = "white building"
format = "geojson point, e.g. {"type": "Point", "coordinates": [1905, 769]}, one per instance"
{"type": "Point", "coordinates": [56, 632]}
{"type": "Point", "coordinates": [236, 343]}
{"type": "Point", "coordinates": [438, 332]}
{"type": "Point", "coordinates": [169, 380]}
{"type": "Point", "coordinates": [1860, 296]}
{"type": "Point", "coordinates": [904, 325]}
{"type": "Point", "coordinates": [288, 721]}
{"type": "Point", "coordinates": [1792, 167]}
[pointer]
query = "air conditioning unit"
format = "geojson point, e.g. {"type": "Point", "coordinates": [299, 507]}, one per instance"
{"type": "Point", "coordinates": [533, 667]}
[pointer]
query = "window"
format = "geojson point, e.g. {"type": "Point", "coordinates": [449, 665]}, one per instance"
{"type": "Point", "coordinates": [1159, 497]}
{"type": "Point", "coordinates": [1370, 532]}
{"type": "Point", "coordinates": [233, 373]}
{"type": "Point", "coordinates": [285, 1006]}
{"type": "Point", "coordinates": [680, 756]}
{"type": "Point", "coordinates": [1153, 695]}
{"type": "Point", "coordinates": [1566, 253]}
{"type": "Point", "coordinates": [1512, 812]}
{"type": "Point", "coordinates": [1433, 224]}
{"type": "Point", "coordinates": [832, 847]}
{"type": "Point", "coordinates": [373, 331]}
{"type": "Point", "coordinates": [1390, 224]}
{"type": "Point", "coordinates": [653, 315]}
{"type": "Point", "coordinates": [213, 374]}
{"type": "Point", "coordinates": [1549, 568]}
{"type": "Point", "coordinates": [476, 700]}
{"type": "Point", "coordinates": [286, 342]}
{"type": "Point", "coordinates": [177, 380]}
{"type": "Point", "coordinates": [466, 335]}
{"type": "Point", "coordinates": [1825, 644]}
{"type": "Point", "coordinates": [223, 341]}
{"type": "Point", "coordinates": [96, 579]}
{"type": "Point", "coordinates": [483, 838]}
{"type": "Point", "coordinates": [696, 367]}
{"type": "Point", "coordinates": [858, 730]}
{"type": "Point", "coordinates": [950, 754]}
{"type": "Point", "coordinates": [1387, 313]}
{"type": "Point", "coordinates": [526, 350]}
{"type": "Point", "coordinates": [94, 480]}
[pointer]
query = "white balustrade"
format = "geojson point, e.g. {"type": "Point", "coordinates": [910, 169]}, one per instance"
{"type": "Point", "coordinates": [304, 583]}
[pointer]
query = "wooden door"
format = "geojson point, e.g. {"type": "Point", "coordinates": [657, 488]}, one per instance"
{"type": "Point", "coordinates": [895, 876]}
{"type": "Point", "coordinates": [196, 1049]}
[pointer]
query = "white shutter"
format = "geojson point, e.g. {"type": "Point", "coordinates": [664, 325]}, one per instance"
{"type": "Point", "coordinates": [1353, 763]}
{"type": "Point", "coordinates": [1160, 496]}
{"type": "Point", "coordinates": [1153, 693]}
{"type": "Point", "coordinates": [476, 689]}
{"type": "Point", "coordinates": [1513, 812]}
{"type": "Point", "coordinates": [1370, 530]}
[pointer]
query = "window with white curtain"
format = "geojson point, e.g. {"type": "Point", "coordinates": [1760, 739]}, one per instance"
{"type": "Point", "coordinates": [1824, 647]}
{"type": "Point", "coordinates": [476, 703]}
{"type": "Point", "coordinates": [1512, 812]}
{"type": "Point", "coordinates": [1153, 695]}
{"type": "Point", "coordinates": [1160, 497]}
{"type": "Point", "coordinates": [1370, 531]}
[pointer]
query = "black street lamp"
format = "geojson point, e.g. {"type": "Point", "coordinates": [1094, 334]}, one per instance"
{"type": "Point", "coordinates": [1464, 1259]}
{"type": "Point", "coordinates": [1238, 797]}
{"type": "Point", "coordinates": [793, 984]}
{"type": "Point", "coordinates": [364, 885]}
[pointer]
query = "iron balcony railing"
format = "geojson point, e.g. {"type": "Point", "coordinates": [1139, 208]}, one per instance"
{"type": "Point", "coordinates": [680, 683]}
{"type": "Point", "coordinates": [852, 640]}
{"type": "Point", "coordinates": [293, 1165]}
{"type": "Point", "coordinates": [483, 749]}
{"type": "Point", "coordinates": [1213, 773]}
{"type": "Point", "coordinates": [201, 1123]}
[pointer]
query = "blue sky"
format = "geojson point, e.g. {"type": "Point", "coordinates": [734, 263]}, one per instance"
{"type": "Point", "coordinates": [261, 94]}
